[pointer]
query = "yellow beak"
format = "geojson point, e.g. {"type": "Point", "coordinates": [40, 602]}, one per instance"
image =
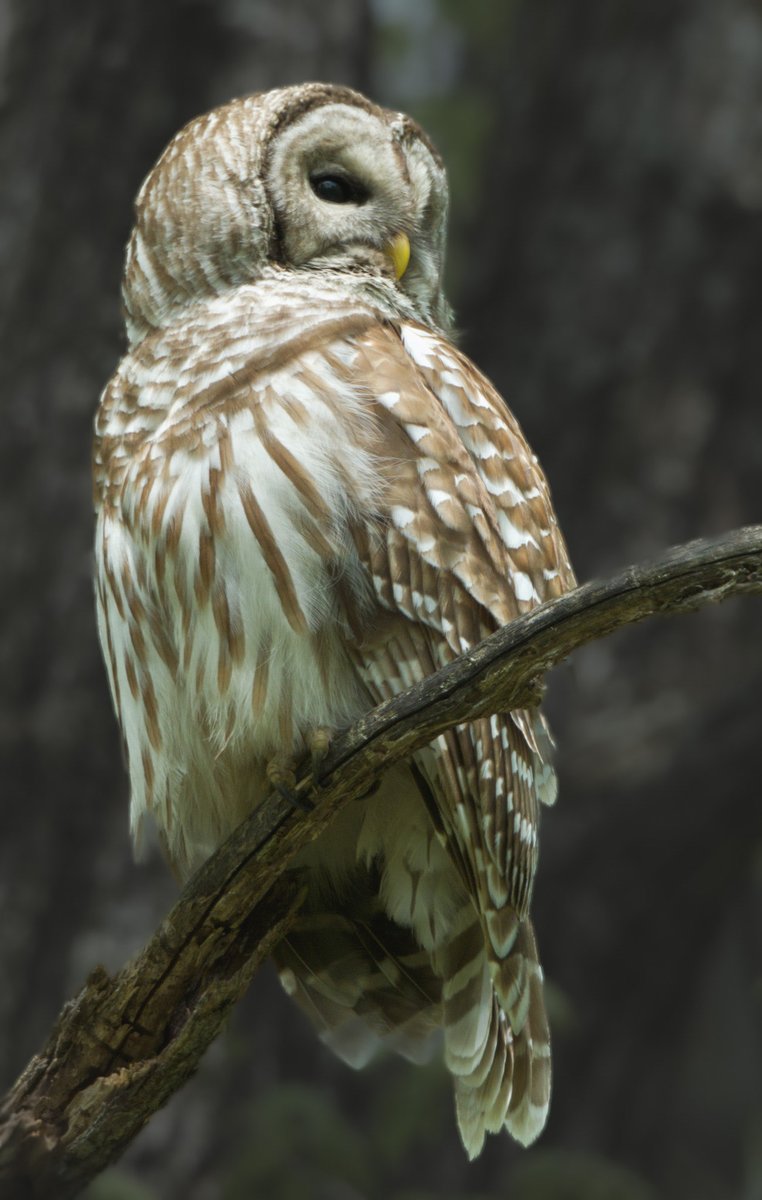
{"type": "Point", "coordinates": [398, 251]}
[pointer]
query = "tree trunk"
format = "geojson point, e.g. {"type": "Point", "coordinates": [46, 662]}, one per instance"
{"type": "Point", "coordinates": [93, 92]}
{"type": "Point", "coordinates": [615, 298]}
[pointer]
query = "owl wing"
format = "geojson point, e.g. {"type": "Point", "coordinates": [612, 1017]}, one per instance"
{"type": "Point", "coordinates": [468, 541]}
{"type": "Point", "coordinates": [465, 542]}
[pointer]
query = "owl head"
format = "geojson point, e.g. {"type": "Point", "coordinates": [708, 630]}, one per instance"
{"type": "Point", "coordinates": [300, 179]}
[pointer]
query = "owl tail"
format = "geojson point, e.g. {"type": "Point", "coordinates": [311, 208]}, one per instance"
{"type": "Point", "coordinates": [497, 1045]}
{"type": "Point", "coordinates": [363, 981]}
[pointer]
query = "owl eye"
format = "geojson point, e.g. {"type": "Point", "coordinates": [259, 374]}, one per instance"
{"type": "Point", "coordinates": [337, 189]}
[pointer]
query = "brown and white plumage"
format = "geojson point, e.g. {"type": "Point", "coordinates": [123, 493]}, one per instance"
{"type": "Point", "coordinates": [307, 500]}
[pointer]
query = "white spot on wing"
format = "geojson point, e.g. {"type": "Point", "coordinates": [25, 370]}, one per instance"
{"type": "Point", "coordinates": [512, 535]}
{"type": "Point", "coordinates": [523, 586]}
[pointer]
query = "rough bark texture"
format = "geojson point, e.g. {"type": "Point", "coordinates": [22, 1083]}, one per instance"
{"type": "Point", "coordinates": [126, 1044]}
{"type": "Point", "coordinates": [607, 257]}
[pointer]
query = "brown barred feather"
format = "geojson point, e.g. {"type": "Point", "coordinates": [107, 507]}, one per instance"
{"type": "Point", "coordinates": [487, 784]}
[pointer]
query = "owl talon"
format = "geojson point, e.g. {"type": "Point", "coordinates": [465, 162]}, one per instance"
{"type": "Point", "coordinates": [293, 798]}
{"type": "Point", "coordinates": [282, 777]}
{"type": "Point", "coordinates": [319, 742]}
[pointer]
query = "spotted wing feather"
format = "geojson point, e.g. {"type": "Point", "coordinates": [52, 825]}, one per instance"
{"type": "Point", "coordinates": [468, 542]}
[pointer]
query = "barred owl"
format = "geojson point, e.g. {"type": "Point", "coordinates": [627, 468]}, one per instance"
{"type": "Point", "coordinates": [307, 499]}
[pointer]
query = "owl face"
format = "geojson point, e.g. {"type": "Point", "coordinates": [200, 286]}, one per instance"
{"type": "Point", "coordinates": [305, 179]}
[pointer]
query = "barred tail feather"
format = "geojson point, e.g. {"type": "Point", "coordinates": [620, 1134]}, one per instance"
{"type": "Point", "coordinates": [528, 1110]}
{"type": "Point", "coordinates": [502, 1076]}
{"type": "Point", "coordinates": [496, 1033]}
{"type": "Point", "coordinates": [518, 984]}
{"type": "Point", "coordinates": [362, 982]}
{"type": "Point", "coordinates": [482, 1097]}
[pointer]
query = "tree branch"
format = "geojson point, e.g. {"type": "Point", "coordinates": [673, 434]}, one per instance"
{"type": "Point", "coordinates": [127, 1042]}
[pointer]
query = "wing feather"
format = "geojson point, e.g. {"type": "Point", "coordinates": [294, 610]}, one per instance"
{"type": "Point", "coordinates": [446, 566]}
{"type": "Point", "coordinates": [465, 542]}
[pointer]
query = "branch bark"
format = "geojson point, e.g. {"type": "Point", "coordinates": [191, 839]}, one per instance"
{"type": "Point", "coordinates": [127, 1042]}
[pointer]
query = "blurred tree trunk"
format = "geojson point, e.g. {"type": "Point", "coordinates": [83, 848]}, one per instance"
{"type": "Point", "coordinates": [614, 294]}
{"type": "Point", "coordinates": [92, 93]}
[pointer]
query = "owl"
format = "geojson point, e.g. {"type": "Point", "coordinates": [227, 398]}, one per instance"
{"type": "Point", "coordinates": [307, 500]}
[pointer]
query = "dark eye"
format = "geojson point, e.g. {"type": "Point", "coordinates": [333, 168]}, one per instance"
{"type": "Point", "coordinates": [337, 189]}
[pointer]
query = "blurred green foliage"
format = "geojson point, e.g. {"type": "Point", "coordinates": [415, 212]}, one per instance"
{"type": "Point", "coordinates": [118, 1184]}
{"type": "Point", "coordinates": [299, 1145]}
{"type": "Point", "coordinates": [560, 1175]}
{"type": "Point", "coordinates": [482, 23]}
{"type": "Point", "coordinates": [459, 115]}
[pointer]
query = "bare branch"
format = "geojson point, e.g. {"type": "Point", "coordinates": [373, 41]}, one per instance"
{"type": "Point", "coordinates": [126, 1043]}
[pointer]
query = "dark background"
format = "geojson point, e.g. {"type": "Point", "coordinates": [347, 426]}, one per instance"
{"type": "Point", "coordinates": [606, 266]}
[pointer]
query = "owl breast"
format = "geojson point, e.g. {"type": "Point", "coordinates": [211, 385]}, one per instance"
{"type": "Point", "coordinates": [227, 568]}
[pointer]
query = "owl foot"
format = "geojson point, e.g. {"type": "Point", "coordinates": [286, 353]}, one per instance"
{"type": "Point", "coordinates": [319, 743]}
{"type": "Point", "coordinates": [280, 773]}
